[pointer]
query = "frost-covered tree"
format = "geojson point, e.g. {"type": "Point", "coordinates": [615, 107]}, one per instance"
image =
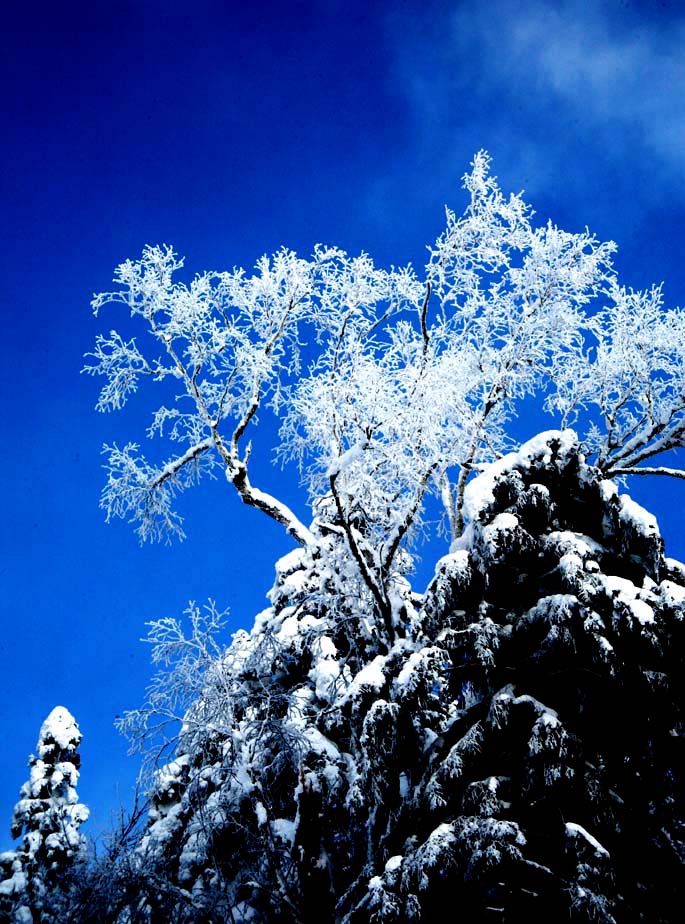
{"type": "Point", "coordinates": [47, 818]}
{"type": "Point", "coordinates": [389, 385]}
{"type": "Point", "coordinates": [507, 743]}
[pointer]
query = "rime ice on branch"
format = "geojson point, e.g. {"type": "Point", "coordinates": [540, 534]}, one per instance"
{"type": "Point", "coordinates": [412, 379]}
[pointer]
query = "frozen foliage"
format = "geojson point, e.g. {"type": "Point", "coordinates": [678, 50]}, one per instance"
{"type": "Point", "coordinates": [47, 818]}
{"type": "Point", "coordinates": [390, 384]}
{"type": "Point", "coordinates": [185, 662]}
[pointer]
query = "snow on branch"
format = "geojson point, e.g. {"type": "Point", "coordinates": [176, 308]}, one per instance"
{"type": "Point", "coordinates": [647, 470]}
{"type": "Point", "coordinates": [188, 656]}
{"type": "Point", "coordinates": [137, 492]}
{"type": "Point", "coordinates": [389, 385]}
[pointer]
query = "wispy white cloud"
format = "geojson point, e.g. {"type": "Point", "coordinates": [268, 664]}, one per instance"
{"type": "Point", "coordinates": [619, 74]}
{"type": "Point", "coordinates": [545, 86]}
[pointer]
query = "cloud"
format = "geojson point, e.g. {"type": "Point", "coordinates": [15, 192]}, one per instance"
{"type": "Point", "coordinates": [618, 77]}
{"type": "Point", "coordinates": [551, 89]}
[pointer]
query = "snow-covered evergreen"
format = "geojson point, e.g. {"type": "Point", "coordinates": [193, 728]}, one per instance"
{"type": "Point", "coordinates": [515, 753]}
{"type": "Point", "coordinates": [47, 818]}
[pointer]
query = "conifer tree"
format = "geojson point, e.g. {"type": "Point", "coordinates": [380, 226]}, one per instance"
{"type": "Point", "coordinates": [47, 818]}
{"type": "Point", "coordinates": [515, 754]}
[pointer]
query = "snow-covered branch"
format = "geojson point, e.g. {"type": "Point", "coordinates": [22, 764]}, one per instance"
{"type": "Point", "coordinates": [237, 475]}
{"type": "Point", "coordinates": [647, 470]}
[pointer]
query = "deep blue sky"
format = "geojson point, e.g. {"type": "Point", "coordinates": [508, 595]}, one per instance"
{"type": "Point", "coordinates": [228, 129]}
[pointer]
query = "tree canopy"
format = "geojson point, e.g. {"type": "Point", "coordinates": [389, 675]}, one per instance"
{"type": "Point", "coordinates": [390, 385]}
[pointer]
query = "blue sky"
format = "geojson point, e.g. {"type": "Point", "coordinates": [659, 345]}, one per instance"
{"type": "Point", "coordinates": [228, 129]}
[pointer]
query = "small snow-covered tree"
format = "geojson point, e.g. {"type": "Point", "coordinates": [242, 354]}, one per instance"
{"type": "Point", "coordinates": [47, 818]}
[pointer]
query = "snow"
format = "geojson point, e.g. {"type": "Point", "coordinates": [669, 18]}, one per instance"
{"type": "Point", "coordinates": [60, 727]}
{"type": "Point", "coordinates": [642, 612]}
{"type": "Point", "coordinates": [327, 647]}
{"type": "Point", "coordinates": [291, 576]}
{"type": "Point", "coordinates": [295, 583]}
{"type": "Point", "coordinates": [672, 594]}
{"type": "Point", "coordinates": [289, 629]}
{"type": "Point", "coordinates": [279, 511]}
{"type": "Point", "coordinates": [642, 520]}
{"type": "Point", "coordinates": [571, 565]}
{"type": "Point", "coordinates": [605, 644]}
{"type": "Point", "coordinates": [504, 522]}
{"type": "Point", "coordinates": [425, 662]}
{"type": "Point", "coordinates": [166, 821]}
{"type": "Point", "coordinates": [621, 587]}
{"type": "Point", "coordinates": [555, 608]}
{"type": "Point", "coordinates": [455, 565]}
{"type": "Point", "coordinates": [494, 532]}
{"type": "Point", "coordinates": [578, 831]}
{"type": "Point", "coordinates": [345, 460]}
{"type": "Point", "coordinates": [289, 563]}
{"type": "Point", "coordinates": [608, 489]}
{"type": "Point", "coordinates": [546, 716]}
{"type": "Point", "coordinates": [480, 492]}
{"type": "Point", "coordinates": [371, 676]}
{"type": "Point", "coordinates": [309, 621]}
{"type": "Point", "coordinates": [566, 542]}
{"type": "Point", "coordinates": [261, 814]}
{"type": "Point", "coordinates": [18, 881]}
{"type": "Point", "coordinates": [167, 777]}
{"type": "Point", "coordinates": [394, 863]}
{"type": "Point", "coordinates": [676, 567]}
{"type": "Point", "coordinates": [326, 669]}
{"type": "Point", "coordinates": [439, 842]}
{"type": "Point", "coordinates": [79, 813]}
{"type": "Point", "coordinates": [285, 829]}
{"type": "Point", "coordinates": [406, 677]}
{"type": "Point", "coordinates": [429, 736]}
{"type": "Point", "coordinates": [193, 854]}
{"type": "Point", "coordinates": [625, 591]}
{"type": "Point", "coordinates": [320, 744]}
